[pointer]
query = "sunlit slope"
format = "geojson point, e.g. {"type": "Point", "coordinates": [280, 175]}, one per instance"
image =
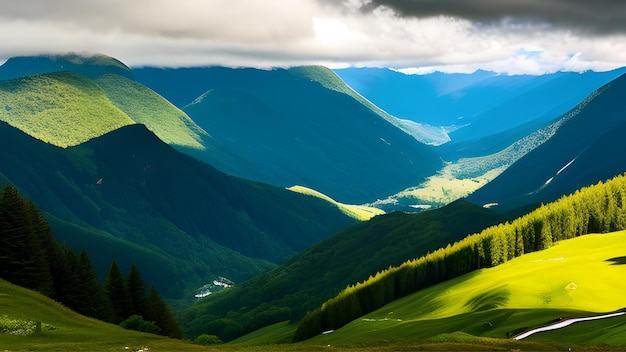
{"type": "Point", "coordinates": [574, 277]}
{"type": "Point", "coordinates": [359, 212]}
{"type": "Point", "coordinates": [144, 106]}
{"type": "Point", "coordinates": [62, 109]}
{"type": "Point", "coordinates": [65, 330]}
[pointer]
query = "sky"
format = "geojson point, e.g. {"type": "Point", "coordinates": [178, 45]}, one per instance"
{"type": "Point", "coordinates": [413, 36]}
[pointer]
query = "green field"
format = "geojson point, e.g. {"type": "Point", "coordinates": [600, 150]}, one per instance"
{"type": "Point", "coordinates": [574, 278]}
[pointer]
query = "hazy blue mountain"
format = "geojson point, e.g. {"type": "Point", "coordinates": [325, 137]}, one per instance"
{"type": "Point", "coordinates": [482, 107]}
{"type": "Point", "coordinates": [129, 196]}
{"type": "Point", "coordinates": [296, 126]}
{"type": "Point", "coordinates": [588, 147]}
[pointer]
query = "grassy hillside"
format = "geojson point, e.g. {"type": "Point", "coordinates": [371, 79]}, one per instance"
{"type": "Point", "coordinates": [324, 269]}
{"type": "Point", "coordinates": [64, 330]}
{"type": "Point", "coordinates": [576, 277]}
{"type": "Point", "coordinates": [144, 106]}
{"type": "Point", "coordinates": [359, 212]}
{"type": "Point", "coordinates": [45, 105]}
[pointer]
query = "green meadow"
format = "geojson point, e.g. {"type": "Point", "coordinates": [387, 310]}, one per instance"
{"type": "Point", "coordinates": [575, 278]}
{"type": "Point", "coordinates": [30, 321]}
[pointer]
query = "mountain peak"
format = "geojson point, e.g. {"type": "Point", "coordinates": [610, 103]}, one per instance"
{"type": "Point", "coordinates": [89, 65]}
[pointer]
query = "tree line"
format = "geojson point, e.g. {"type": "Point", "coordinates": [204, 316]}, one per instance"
{"type": "Point", "coordinates": [600, 208]}
{"type": "Point", "coordinates": [31, 257]}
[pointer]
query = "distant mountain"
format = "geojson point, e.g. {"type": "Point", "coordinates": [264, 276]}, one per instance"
{"type": "Point", "coordinates": [473, 107]}
{"type": "Point", "coordinates": [128, 195]}
{"type": "Point", "coordinates": [88, 65]}
{"type": "Point", "coordinates": [587, 147]}
{"type": "Point", "coordinates": [300, 126]}
{"type": "Point", "coordinates": [324, 269]}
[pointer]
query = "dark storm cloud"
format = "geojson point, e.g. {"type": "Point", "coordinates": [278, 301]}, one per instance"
{"type": "Point", "coordinates": [584, 16]}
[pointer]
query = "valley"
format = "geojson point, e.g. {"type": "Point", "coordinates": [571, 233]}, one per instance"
{"type": "Point", "coordinates": [304, 207]}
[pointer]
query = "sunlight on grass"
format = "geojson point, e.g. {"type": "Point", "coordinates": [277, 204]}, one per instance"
{"type": "Point", "coordinates": [359, 212]}
{"type": "Point", "coordinates": [574, 277]}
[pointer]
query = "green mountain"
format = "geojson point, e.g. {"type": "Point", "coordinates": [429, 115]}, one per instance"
{"type": "Point", "coordinates": [301, 126]}
{"type": "Point", "coordinates": [586, 147]}
{"type": "Point", "coordinates": [88, 65]}
{"type": "Point", "coordinates": [93, 107]}
{"type": "Point", "coordinates": [324, 269]}
{"type": "Point", "coordinates": [128, 195]}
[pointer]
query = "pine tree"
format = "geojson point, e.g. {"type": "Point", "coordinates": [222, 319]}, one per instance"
{"type": "Point", "coordinates": [158, 311]}
{"type": "Point", "coordinates": [22, 259]}
{"type": "Point", "coordinates": [116, 290]}
{"type": "Point", "coordinates": [136, 290]}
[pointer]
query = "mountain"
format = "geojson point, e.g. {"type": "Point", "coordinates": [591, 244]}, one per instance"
{"type": "Point", "coordinates": [127, 194]}
{"type": "Point", "coordinates": [300, 126]}
{"type": "Point", "coordinates": [324, 269]}
{"type": "Point", "coordinates": [474, 106]}
{"type": "Point", "coordinates": [88, 65]}
{"type": "Point", "coordinates": [586, 148]}
{"type": "Point", "coordinates": [94, 106]}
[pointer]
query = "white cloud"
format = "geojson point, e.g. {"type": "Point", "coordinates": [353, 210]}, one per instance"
{"type": "Point", "coordinates": [287, 32]}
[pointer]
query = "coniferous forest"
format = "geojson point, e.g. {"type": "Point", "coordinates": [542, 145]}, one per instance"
{"type": "Point", "coordinates": [31, 257]}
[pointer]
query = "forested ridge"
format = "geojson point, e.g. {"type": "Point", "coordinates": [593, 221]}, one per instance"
{"type": "Point", "coordinates": [599, 208]}
{"type": "Point", "coordinates": [31, 257]}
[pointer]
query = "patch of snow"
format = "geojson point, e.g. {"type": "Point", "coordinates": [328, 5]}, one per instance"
{"type": "Point", "coordinates": [566, 166]}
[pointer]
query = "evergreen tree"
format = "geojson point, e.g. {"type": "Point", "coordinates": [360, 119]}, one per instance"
{"type": "Point", "coordinates": [158, 311]}
{"type": "Point", "coordinates": [100, 306]}
{"type": "Point", "coordinates": [116, 290]}
{"type": "Point", "coordinates": [22, 259]}
{"type": "Point", "coordinates": [136, 290]}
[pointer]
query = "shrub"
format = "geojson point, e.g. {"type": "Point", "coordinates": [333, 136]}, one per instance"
{"type": "Point", "coordinates": [206, 339]}
{"type": "Point", "coordinates": [136, 322]}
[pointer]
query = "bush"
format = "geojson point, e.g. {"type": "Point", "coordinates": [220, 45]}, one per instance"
{"type": "Point", "coordinates": [206, 339]}
{"type": "Point", "coordinates": [136, 322]}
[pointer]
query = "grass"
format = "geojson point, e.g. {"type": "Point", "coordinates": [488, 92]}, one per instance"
{"type": "Point", "coordinates": [65, 330]}
{"type": "Point", "coordinates": [574, 278]}
{"type": "Point", "coordinates": [35, 103]}
{"type": "Point", "coordinates": [142, 105]}
{"type": "Point", "coordinates": [359, 212]}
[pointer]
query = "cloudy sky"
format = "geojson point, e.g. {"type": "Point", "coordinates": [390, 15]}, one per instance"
{"type": "Point", "coordinates": [513, 36]}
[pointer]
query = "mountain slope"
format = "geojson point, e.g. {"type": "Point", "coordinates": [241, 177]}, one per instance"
{"type": "Point", "coordinates": [324, 269]}
{"type": "Point", "coordinates": [296, 127]}
{"type": "Point", "coordinates": [65, 330]}
{"type": "Point", "coordinates": [128, 189]}
{"type": "Point", "coordinates": [35, 104]}
{"type": "Point", "coordinates": [96, 106]}
{"type": "Point", "coordinates": [574, 279]}
{"type": "Point", "coordinates": [586, 148]}
{"type": "Point", "coordinates": [478, 104]}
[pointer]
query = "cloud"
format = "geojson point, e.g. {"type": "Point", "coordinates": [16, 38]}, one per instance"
{"type": "Point", "coordinates": [410, 35]}
{"type": "Point", "coordinates": [597, 17]}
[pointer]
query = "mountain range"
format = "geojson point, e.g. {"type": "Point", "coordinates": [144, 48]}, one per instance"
{"type": "Point", "coordinates": [184, 171]}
